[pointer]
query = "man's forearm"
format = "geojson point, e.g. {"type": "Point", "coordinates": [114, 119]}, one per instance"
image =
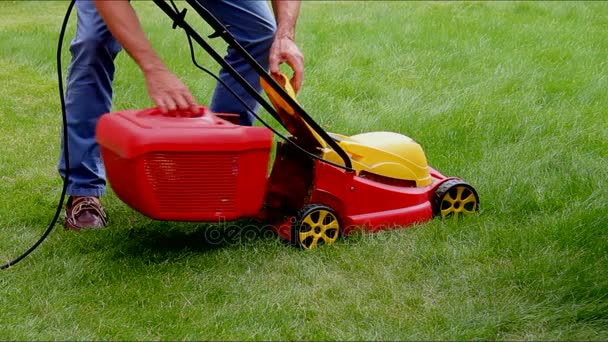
{"type": "Point", "coordinates": [286, 13]}
{"type": "Point", "coordinates": [122, 21]}
{"type": "Point", "coordinates": [166, 90]}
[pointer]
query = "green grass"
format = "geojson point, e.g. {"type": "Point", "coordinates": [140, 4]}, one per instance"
{"type": "Point", "coordinates": [511, 96]}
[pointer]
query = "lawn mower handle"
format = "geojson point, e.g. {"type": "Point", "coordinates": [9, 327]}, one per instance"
{"type": "Point", "coordinates": [221, 31]}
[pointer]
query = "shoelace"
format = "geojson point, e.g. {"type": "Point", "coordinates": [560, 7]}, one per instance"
{"type": "Point", "coordinates": [87, 204]}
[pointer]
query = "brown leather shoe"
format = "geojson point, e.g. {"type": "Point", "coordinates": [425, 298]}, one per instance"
{"type": "Point", "coordinates": [84, 212]}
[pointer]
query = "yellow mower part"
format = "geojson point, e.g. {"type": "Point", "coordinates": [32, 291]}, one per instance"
{"type": "Point", "coordinates": [295, 124]}
{"type": "Point", "coordinates": [385, 154]}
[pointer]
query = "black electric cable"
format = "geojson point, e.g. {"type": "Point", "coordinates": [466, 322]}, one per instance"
{"type": "Point", "coordinates": [196, 64]}
{"type": "Point", "coordinates": [65, 147]}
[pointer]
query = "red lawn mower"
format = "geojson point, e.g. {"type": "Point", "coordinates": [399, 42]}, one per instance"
{"type": "Point", "coordinates": [321, 186]}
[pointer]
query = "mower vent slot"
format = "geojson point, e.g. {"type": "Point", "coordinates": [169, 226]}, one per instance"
{"type": "Point", "coordinates": [387, 180]}
{"type": "Point", "coordinates": [191, 182]}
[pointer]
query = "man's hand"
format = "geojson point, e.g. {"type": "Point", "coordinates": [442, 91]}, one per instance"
{"type": "Point", "coordinates": [169, 93]}
{"type": "Point", "coordinates": [284, 50]}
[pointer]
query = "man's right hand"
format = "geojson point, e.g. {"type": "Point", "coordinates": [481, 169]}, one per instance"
{"type": "Point", "coordinates": [169, 93]}
{"type": "Point", "coordinates": [284, 49]}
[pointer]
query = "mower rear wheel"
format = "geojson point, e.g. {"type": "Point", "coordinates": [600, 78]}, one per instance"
{"type": "Point", "coordinates": [455, 198]}
{"type": "Point", "coordinates": [315, 224]}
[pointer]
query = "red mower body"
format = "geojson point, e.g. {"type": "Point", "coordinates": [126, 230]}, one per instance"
{"type": "Point", "coordinates": [359, 202]}
{"type": "Point", "coordinates": [369, 204]}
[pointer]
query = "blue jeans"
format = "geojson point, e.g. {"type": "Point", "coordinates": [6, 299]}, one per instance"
{"type": "Point", "coordinates": [91, 72]}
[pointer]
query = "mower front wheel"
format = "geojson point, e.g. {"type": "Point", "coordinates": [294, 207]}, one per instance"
{"type": "Point", "coordinates": [315, 224]}
{"type": "Point", "coordinates": [455, 197]}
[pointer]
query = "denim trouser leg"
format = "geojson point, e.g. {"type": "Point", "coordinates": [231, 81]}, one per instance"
{"type": "Point", "coordinates": [88, 96]}
{"type": "Point", "coordinates": [253, 25]}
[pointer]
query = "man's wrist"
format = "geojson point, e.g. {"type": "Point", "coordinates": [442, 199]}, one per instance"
{"type": "Point", "coordinates": [285, 37]}
{"type": "Point", "coordinates": [152, 66]}
{"type": "Point", "coordinates": [287, 34]}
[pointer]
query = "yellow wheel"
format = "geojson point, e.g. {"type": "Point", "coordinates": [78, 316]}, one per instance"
{"type": "Point", "coordinates": [455, 198]}
{"type": "Point", "coordinates": [314, 225]}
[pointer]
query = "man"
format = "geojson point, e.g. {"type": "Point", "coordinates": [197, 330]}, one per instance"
{"type": "Point", "coordinates": [104, 27]}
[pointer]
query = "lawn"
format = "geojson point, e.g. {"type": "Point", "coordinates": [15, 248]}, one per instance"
{"type": "Point", "coordinates": [511, 96]}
